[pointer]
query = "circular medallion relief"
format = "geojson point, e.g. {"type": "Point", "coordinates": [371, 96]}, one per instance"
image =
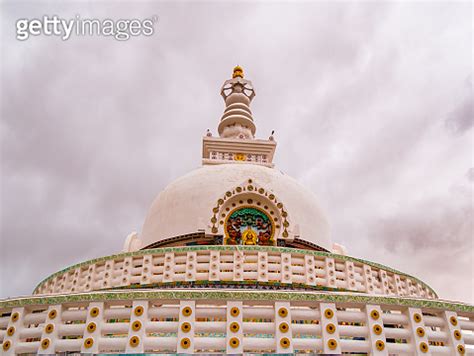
{"type": "Point", "coordinates": [240, 157]}
{"type": "Point", "coordinates": [249, 226]}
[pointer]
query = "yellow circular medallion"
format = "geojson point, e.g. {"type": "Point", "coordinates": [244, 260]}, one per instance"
{"type": "Point", "coordinates": [332, 344]}
{"type": "Point", "coordinates": [134, 341]}
{"type": "Point", "coordinates": [15, 316]}
{"type": "Point", "coordinates": [139, 310]}
{"type": "Point", "coordinates": [49, 328]}
{"type": "Point", "coordinates": [137, 325]}
{"type": "Point", "coordinates": [284, 327]}
{"type": "Point", "coordinates": [88, 343]}
{"type": "Point", "coordinates": [424, 347]}
{"type": "Point", "coordinates": [45, 343]}
{"type": "Point", "coordinates": [330, 328]}
{"type": "Point", "coordinates": [234, 327]}
{"type": "Point", "coordinates": [185, 343]}
{"type": "Point", "coordinates": [328, 313]}
{"type": "Point", "coordinates": [283, 312]}
{"type": "Point", "coordinates": [52, 314]}
{"type": "Point", "coordinates": [374, 314]}
{"type": "Point", "coordinates": [185, 327]}
{"type": "Point", "coordinates": [187, 311]}
{"type": "Point", "coordinates": [6, 345]}
{"type": "Point", "coordinates": [91, 327]}
{"type": "Point", "coordinates": [420, 332]}
{"type": "Point", "coordinates": [234, 342]}
{"type": "Point", "coordinates": [285, 343]}
{"type": "Point", "coordinates": [94, 312]}
{"type": "Point", "coordinates": [377, 329]}
{"type": "Point", "coordinates": [234, 312]}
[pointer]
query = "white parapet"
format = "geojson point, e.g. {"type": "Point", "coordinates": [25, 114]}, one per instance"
{"type": "Point", "coordinates": [211, 265]}
{"type": "Point", "coordinates": [235, 322]}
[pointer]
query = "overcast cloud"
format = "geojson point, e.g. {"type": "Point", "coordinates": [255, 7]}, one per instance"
{"type": "Point", "coordinates": [371, 103]}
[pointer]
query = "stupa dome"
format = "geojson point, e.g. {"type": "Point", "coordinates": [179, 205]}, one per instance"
{"type": "Point", "coordinates": [187, 204]}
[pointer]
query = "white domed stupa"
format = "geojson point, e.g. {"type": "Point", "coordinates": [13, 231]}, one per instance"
{"type": "Point", "coordinates": [234, 257]}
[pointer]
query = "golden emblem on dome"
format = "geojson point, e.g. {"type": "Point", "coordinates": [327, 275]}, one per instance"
{"type": "Point", "coordinates": [249, 237]}
{"type": "Point", "coordinates": [238, 72]}
{"type": "Point", "coordinates": [240, 157]}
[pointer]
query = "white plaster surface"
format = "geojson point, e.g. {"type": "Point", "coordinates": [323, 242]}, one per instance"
{"type": "Point", "coordinates": [185, 205]}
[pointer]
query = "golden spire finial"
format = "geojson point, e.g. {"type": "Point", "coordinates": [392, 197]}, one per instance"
{"type": "Point", "coordinates": [238, 72]}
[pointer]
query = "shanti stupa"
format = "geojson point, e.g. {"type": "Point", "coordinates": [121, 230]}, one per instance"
{"type": "Point", "coordinates": [234, 257]}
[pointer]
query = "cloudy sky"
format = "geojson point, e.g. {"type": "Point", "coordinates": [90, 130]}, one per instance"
{"type": "Point", "coordinates": [371, 103]}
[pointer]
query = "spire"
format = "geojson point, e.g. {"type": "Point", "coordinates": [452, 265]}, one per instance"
{"type": "Point", "coordinates": [237, 120]}
{"type": "Point", "coordinates": [236, 142]}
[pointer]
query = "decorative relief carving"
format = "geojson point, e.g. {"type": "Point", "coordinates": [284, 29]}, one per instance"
{"type": "Point", "coordinates": [240, 157]}
{"type": "Point", "coordinates": [250, 215]}
{"type": "Point", "coordinates": [249, 226]}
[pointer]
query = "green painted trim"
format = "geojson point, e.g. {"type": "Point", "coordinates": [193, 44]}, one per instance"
{"type": "Point", "coordinates": [301, 287]}
{"type": "Point", "coordinates": [327, 297]}
{"type": "Point", "coordinates": [232, 248]}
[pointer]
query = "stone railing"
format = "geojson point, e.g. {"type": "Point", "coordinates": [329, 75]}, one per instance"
{"type": "Point", "coordinates": [203, 321]}
{"type": "Point", "coordinates": [251, 267]}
